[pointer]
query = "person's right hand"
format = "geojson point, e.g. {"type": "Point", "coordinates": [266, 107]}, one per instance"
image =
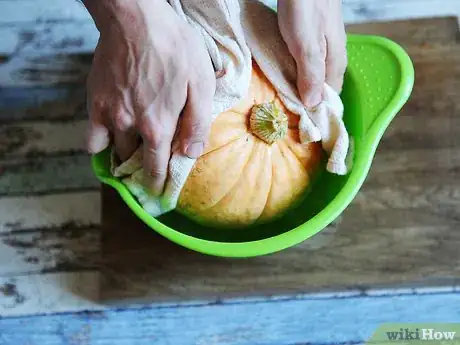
{"type": "Point", "coordinates": [150, 70]}
{"type": "Point", "coordinates": [314, 32]}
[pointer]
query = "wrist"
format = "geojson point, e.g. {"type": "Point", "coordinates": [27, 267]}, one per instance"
{"type": "Point", "coordinates": [105, 13]}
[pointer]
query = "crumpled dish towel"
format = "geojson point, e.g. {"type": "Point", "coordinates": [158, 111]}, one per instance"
{"type": "Point", "coordinates": [236, 32]}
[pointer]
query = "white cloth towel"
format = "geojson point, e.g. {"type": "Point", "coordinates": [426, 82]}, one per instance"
{"type": "Point", "coordinates": [236, 32]}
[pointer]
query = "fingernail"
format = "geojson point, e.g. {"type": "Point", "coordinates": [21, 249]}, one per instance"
{"type": "Point", "coordinates": [194, 150]}
{"type": "Point", "coordinates": [98, 140]}
{"type": "Point", "coordinates": [97, 144]}
{"type": "Point", "coordinates": [313, 99]}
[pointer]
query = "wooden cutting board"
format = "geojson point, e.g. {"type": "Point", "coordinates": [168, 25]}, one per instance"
{"type": "Point", "coordinates": [402, 230]}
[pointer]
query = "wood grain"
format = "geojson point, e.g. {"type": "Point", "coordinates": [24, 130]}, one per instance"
{"type": "Point", "coordinates": [46, 37]}
{"type": "Point", "coordinates": [64, 249]}
{"type": "Point", "coordinates": [47, 175]}
{"type": "Point", "coordinates": [41, 103]}
{"type": "Point", "coordinates": [420, 31]}
{"type": "Point", "coordinates": [300, 321]}
{"type": "Point", "coordinates": [400, 229]}
{"type": "Point", "coordinates": [40, 139]}
{"type": "Point", "coordinates": [49, 211]}
{"type": "Point", "coordinates": [48, 293]}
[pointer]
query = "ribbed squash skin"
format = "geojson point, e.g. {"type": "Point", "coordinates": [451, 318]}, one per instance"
{"type": "Point", "coordinates": [241, 180]}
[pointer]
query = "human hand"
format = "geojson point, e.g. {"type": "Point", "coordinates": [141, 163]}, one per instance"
{"type": "Point", "coordinates": [150, 70]}
{"type": "Point", "coordinates": [315, 35]}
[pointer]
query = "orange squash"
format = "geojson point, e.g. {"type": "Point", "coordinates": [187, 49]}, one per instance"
{"type": "Point", "coordinates": [254, 167]}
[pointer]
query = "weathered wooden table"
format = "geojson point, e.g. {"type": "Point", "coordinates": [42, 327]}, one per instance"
{"type": "Point", "coordinates": [393, 256]}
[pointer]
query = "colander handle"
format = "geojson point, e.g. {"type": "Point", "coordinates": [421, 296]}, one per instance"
{"type": "Point", "coordinates": [387, 76]}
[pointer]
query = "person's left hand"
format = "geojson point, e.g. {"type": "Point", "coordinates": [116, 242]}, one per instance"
{"type": "Point", "coordinates": [151, 80]}
{"type": "Point", "coordinates": [315, 35]}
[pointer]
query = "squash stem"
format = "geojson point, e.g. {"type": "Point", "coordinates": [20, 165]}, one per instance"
{"type": "Point", "coordinates": [268, 122]}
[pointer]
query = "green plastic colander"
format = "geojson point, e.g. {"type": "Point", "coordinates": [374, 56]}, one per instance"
{"type": "Point", "coordinates": [378, 82]}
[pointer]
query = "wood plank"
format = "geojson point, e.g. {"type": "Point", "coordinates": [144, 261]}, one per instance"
{"type": "Point", "coordinates": [51, 292]}
{"type": "Point", "coordinates": [439, 193]}
{"type": "Point", "coordinates": [411, 31]}
{"type": "Point", "coordinates": [31, 139]}
{"type": "Point", "coordinates": [41, 11]}
{"type": "Point", "coordinates": [422, 131]}
{"type": "Point", "coordinates": [46, 69]}
{"type": "Point", "coordinates": [66, 292]}
{"type": "Point", "coordinates": [360, 11]}
{"type": "Point", "coordinates": [417, 159]}
{"type": "Point", "coordinates": [59, 103]}
{"type": "Point", "coordinates": [47, 175]}
{"type": "Point", "coordinates": [66, 249]}
{"type": "Point", "coordinates": [52, 36]}
{"type": "Point", "coordinates": [49, 211]}
{"type": "Point", "coordinates": [280, 322]}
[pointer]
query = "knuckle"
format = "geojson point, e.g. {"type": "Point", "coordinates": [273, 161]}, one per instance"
{"type": "Point", "coordinates": [154, 140]}
{"type": "Point", "coordinates": [314, 58]}
{"type": "Point", "coordinates": [122, 121]}
{"type": "Point", "coordinates": [157, 141]}
{"type": "Point", "coordinates": [146, 133]}
{"type": "Point", "coordinates": [155, 135]}
{"type": "Point", "coordinates": [312, 68]}
{"type": "Point", "coordinates": [299, 49]}
{"type": "Point", "coordinates": [199, 130]}
{"type": "Point", "coordinates": [97, 102]}
{"type": "Point", "coordinates": [308, 50]}
{"type": "Point", "coordinates": [95, 107]}
{"type": "Point", "coordinates": [158, 172]}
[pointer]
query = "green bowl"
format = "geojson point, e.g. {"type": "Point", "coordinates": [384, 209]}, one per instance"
{"type": "Point", "coordinates": [378, 82]}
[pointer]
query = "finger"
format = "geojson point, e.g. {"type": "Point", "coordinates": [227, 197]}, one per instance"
{"type": "Point", "coordinates": [157, 152]}
{"type": "Point", "coordinates": [157, 128]}
{"type": "Point", "coordinates": [311, 72]}
{"type": "Point", "coordinates": [336, 60]}
{"type": "Point", "coordinates": [196, 117]}
{"type": "Point", "coordinates": [126, 143]}
{"type": "Point", "coordinates": [98, 135]}
{"type": "Point", "coordinates": [124, 135]}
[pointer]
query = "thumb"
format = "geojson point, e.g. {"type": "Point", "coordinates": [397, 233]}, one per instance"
{"type": "Point", "coordinates": [98, 138]}
{"type": "Point", "coordinates": [311, 73]}
{"type": "Point", "coordinates": [195, 123]}
{"type": "Point", "coordinates": [98, 134]}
